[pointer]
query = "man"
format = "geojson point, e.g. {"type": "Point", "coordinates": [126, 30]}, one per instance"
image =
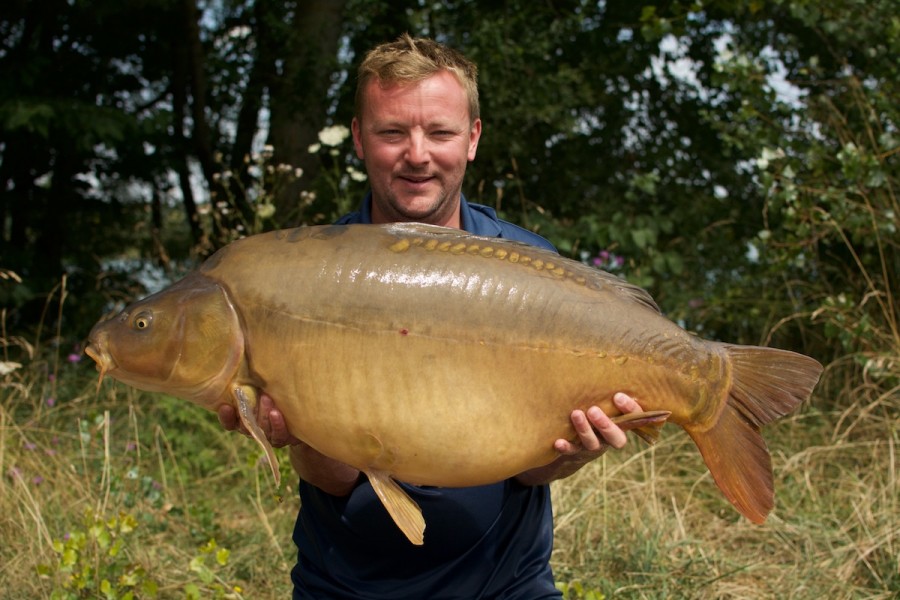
{"type": "Point", "coordinates": [416, 127]}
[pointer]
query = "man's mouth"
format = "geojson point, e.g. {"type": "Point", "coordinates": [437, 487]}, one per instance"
{"type": "Point", "coordinates": [416, 178]}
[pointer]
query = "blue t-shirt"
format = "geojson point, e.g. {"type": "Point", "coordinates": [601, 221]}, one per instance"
{"type": "Point", "coordinates": [490, 542]}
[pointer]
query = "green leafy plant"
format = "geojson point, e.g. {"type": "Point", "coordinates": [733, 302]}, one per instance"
{"type": "Point", "coordinates": [210, 557]}
{"type": "Point", "coordinates": [94, 561]}
{"type": "Point", "coordinates": [575, 590]}
{"type": "Point", "coordinates": [98, 560]}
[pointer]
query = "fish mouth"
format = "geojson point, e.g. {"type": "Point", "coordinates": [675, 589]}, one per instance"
{"type": "Point", "coordinates": [105, 362]}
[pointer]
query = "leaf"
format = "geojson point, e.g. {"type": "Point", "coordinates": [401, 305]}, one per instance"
{"type": "Point", "coordinates": [222, 556]}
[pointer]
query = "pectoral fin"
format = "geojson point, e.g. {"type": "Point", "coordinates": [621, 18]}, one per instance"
{"type": "Point", "coordinates": [246, 398]}
{"type": "Point", "coordinates": [403, 509]}
{"type": "Point", "coordinates": [646, 425]}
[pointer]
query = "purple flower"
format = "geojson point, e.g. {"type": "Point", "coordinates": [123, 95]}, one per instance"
{"type": "Point", "coordinates": [37, 480]}
{"type": "Point", "coordinates": [51, 402]}
{"type": "Point", "coordinates": [30, 445]}
{"type": "Point", "coordinates": [74, 358]}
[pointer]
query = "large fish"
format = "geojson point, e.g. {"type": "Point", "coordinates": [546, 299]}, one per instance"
{"type": "Point", "coordinates": [427, 355]}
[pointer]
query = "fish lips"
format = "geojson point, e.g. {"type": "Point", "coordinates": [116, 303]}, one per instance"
{"type": "Point", "coordinates": [96, 349]}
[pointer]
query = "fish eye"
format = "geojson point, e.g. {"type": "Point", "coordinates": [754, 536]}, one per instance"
{"type": "Point", "coordinates": [142, 320]}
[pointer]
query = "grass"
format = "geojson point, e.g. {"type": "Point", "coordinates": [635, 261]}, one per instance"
{"type": "Point", "coordinates": [202, 517]}
{"type": "Point", "coordinates": [651, 524]}
{"type": "Point", "coordinates": [115, 491]}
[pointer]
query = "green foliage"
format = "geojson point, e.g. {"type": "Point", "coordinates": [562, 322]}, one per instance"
{"type": "Point", "coordinates": [634, 129]}
{"type": "Point", "coordinates": [93, 561]}
{"type": "Point", "coordinates": [96, 561]}
{"type": "Point", "coordinates": [575, 590]}
{"type": "Point", "coordinates": [826, 165]}
{"type": "Point", "coordinates": [209, 559]}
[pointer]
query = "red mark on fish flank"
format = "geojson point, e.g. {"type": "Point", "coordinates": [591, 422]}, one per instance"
{"type": "Point", "coordinates": [404, 331]}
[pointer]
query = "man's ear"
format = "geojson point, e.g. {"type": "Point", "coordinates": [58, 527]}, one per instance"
{"type": "Point", "coordinates": [474, 136]}
{"type": "Point", "coordinates": [357, 141]}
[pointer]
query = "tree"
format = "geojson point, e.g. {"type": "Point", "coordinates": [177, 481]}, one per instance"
{"type": "Point", "coordinates": [109, 111]}
{"type": "Point", "coordinates": [736, 158]}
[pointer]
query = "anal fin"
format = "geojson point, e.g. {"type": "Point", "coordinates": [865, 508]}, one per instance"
{"type": "Point", "coordinates": [403, 509]}
{"type": "Point", "coordinates": [646, 425]}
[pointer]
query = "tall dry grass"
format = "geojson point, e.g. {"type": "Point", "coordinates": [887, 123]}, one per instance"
{"type": "Point", "coordinates": [650, 523]}
{"type": "Point", "coordinates": [73, 468]}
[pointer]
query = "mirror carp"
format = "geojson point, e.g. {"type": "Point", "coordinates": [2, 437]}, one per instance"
{"type": "Point", "coordinates": [413, 352]}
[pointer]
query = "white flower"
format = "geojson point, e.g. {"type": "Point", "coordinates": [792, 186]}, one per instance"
{"type": "Point", "coordinates": [313, 148]}
{"type": "Point", "coordinates": [265, 211]}
{"type": "Point", "coordinates": [334, 135]}
{"type": "Point", "coordinates": [767, 156]}
{"type": "Point", "coordinates": [355, 174]}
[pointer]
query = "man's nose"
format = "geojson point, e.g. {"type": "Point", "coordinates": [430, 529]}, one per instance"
{"type": "Point", "coordinates": [417, 152]}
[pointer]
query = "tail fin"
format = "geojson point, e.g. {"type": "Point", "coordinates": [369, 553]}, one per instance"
{"type": "Point", "coordinates": [766, 384]}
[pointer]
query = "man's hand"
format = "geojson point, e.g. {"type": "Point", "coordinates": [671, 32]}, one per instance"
{"type": "Point", "coordinates": [596, 431]}
{"type": "Point", "coordinates": [270, 420]}
{"type": "Point", "coordinates": [596, 434]}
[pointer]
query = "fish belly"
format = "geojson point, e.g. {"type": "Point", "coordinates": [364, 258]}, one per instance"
{"type": "Point", "coordinates": [448, 412]}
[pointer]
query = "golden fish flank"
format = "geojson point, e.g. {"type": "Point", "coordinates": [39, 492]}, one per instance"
{"type": "Point", "coordinates": [462, 347]}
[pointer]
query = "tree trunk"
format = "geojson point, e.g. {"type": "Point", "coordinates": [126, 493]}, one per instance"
{"type": "Point", "coordinates": [181, 147]}
{"type": "Point", "coordinates": [299, 98]}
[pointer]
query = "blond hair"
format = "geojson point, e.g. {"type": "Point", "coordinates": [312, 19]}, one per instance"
{"type": "Point", "coordinates": [410, 60]}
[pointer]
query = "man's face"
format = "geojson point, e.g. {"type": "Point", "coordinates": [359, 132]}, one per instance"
{"type": "Point", "coordinates": [416, 140]}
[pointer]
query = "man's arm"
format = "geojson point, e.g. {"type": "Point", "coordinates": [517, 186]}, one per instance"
{"type": "Point", "coordinates": [596, 434]}
{"type": "Point", "coordinates": [329, 475]}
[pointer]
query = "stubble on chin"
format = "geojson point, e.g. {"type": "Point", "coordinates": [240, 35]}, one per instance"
{"type": "Point", "coordinates": [416, 209]}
